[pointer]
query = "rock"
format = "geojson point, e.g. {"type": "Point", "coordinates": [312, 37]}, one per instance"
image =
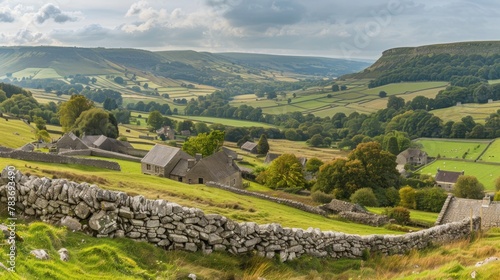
{"type": "Point", "coordinates": [125, 213]}
{"type": "Point", "coordinates": [63, 254]}
{"type": "Point", "coordinates": [178, 238]}
{"type": "Point", "coordinates": [41, 203]}
{"type": "Point", "coordinates": [82, 210]}
{"type": "Point", "coordinates": [40, 254]}
{"type": "Point", "coordinates": [214, 239]}
{"type": "Point", "coordinates": [192, 276]}
{"type": "Point", "coordinates": [71, 223]}
{"type": "Point", "coordinates": [103, 222]}
{"type": "Point", "coordinates": [153, 223]}
{"type": "Point", "coordinates": [486, 261]}
{"type": "Point", "coordinates": [473, 274]}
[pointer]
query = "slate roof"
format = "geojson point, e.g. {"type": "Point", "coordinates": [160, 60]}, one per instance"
{"type": "Point", "coordinates": [217, 165]}
{"type": "Point", "coordinates": [447, 176]}
{"type": "Point", "coordinates": [70, 141]}
{"type": "Point", "coordinates": [230, 152]}
{"type": "Point", "coordinates": [458, 209]}
{"type": "Point", "coordinates": [181, 168]}
{"type": "Point", "coordinates": [160, 155]}
{"type": "Point", "coordinates": [249, 146]}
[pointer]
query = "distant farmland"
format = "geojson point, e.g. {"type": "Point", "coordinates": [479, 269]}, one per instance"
{"type": "Point", "coordinates": [453, 148]}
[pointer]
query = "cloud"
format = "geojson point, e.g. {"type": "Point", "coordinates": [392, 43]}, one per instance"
{"type": "Point", "coordinates": [50, 11]}
{"type": "Point", "coordinates": [6, 16]}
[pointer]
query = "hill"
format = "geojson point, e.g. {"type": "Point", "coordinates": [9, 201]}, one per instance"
{"type": "Point", "coordinates": [184, 65]}
{"type": "Point", "coordinates": [435, 62]}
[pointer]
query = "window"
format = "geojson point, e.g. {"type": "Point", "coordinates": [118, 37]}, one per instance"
{"type": "Point", "coordinates": [200, 180]}
{"type": "Point", "coordinates": [157, 169]}
{"type": "Point", "coordinates": [234, 182]}
{"type": "Point", "coordinates": [180, 179]}
{"type": "Point", "coordinates": [148, 166]}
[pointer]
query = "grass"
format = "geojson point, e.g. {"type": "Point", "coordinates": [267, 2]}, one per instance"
{"type": "Point", "coordinates": [227, 122]}
{"type": "Point", "coordinates": [121, 258]}
{"type": "Point", "coordinates": [415, 215]}
{"type": "Point", "coordinates": [15, 133]}
{"type": "Point", "coordinates": [492, 154]}
{"type": "Point", "coordinates": [211, 200]}
{"type": "Point", "coordinates": [478, 111]}
{"type": "Point", "coordinates": [454, 148]}
{"type": "Point", "coordinates": [485, 173]}
{"type": "Point", "coordinates": [407, 87]}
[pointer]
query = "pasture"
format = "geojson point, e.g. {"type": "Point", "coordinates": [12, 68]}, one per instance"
{"type": "Point", "coordinates": [478, 111]}
{"type": "Point", "coordinates": [492, 154]}
{"type": "Point", "coordinates": [15, 133]}
{"type": "Point", "coordinates": [453, 148]}
{"type": "Point", "coordinates": [485, 173]}
{"type": "Point", "coordinates": [214, 120]}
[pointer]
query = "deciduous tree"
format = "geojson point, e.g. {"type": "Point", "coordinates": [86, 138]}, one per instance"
{"type": "Point", "coordinates": [468, 186]}
{"type": "Point", "coordinates": [203, 143]}
{"type": "Point", "coordinates": [71, 110]}
{"type": "Point", "coordinates": [96, 121]}
{"type": "Point", "coordinates": [283, 173]}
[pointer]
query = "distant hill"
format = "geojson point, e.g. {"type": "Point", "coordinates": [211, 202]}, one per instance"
{"type": "Point", "coordinates": [196, 67]}
{"type": "Point", "coordinates": [435, 62]}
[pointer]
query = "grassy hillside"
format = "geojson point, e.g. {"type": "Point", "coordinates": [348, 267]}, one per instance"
{"type": "Point", "coordinates": [394, 58]}
{"type": "Point", "coordinates": [478, 111]}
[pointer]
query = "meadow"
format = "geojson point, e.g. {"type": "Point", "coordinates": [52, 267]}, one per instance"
{"type": "Point", "coordinates": [453, 148]}
{"type": "Point", "coordinates": [492, 154]}
{"type": "Point", "coordinates": [485, 173]}
{"type": "Point", "coordinates": [15, 133]}
{"type": "Point", "coordinates": [478, 111]}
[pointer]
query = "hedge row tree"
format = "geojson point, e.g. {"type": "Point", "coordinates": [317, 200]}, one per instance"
{"type": "Point", "coordinates": [262, 145]}
{"type": "Point", "coordinates": [468, 186]}
{"type": "Point", "coordinates": [203, 143]}
{"type": "Point", "coordinates": [285, 172]}
{"type": "Point", "coordinates": [70, 110]}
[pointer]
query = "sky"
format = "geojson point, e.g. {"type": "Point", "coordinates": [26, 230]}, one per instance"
{"type": "Point", "coordinates": [326, 28]}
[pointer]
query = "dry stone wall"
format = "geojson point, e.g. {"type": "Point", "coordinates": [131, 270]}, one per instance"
{"type": "Point", "coordinates": [43, 157]}
{"type": "Point", "coordinates": [105, 213]}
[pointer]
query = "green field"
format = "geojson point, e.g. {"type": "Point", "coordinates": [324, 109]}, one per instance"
{"type": "Point", "coordinates": [485, 173]}
{"type": "Point", "coordinates": [15, 133]}
{"type": "Point", "coordinates": [453, 148]}
{"type": "Point", "coordinates": [407, 87]}
{"type": "Point", "coordinates": [492, 154]}
{"type": "Point", "coordinates": [478, 111]}
{"type": "Point", "coordinates": [227, 122]}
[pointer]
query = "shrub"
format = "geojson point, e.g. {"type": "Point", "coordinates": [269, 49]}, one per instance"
{"type": "Point", "coordinates": [364, 197]}
{"type": "Point", "coordinates": [430, 199]}
{"type": "Point", "coordinates": [407, 197]}
{"type": "Point", "coordinates": [400, 214]}
{"type": "Point", "coordinates": [321, 197]}
{"type": "Point", "coordinates": [497, 196]}
{"type": "Point", "coordinates": [122, 138]}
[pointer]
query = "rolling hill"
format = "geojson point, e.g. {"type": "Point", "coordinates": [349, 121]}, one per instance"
{"type": "Point", "coordinates": [173, 64]}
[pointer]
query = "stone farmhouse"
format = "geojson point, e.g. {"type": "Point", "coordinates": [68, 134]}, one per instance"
{"type": "Point", "coordinates": [167, 131]}
{"type": "Point", "coordinates": [70, 141]}
{"type": "Point", "coordinates": [175, 164]}
{"type": "Point", "coordinates": [447, 179]}
{"type": "Point", "coordinates": [250, 147]}
{"type": "Point", "coordinates": [457, 209]}
{"type": "Point", "coordinates": [412, 156]}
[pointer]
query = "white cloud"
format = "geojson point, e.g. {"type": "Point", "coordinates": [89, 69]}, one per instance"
{"type": "Point", "coordinates": [51, 11]}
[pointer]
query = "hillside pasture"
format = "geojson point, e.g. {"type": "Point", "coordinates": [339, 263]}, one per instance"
{"type": "Point", "coordinates": [227, 122]}
{"type": "Point", "coordinates": [453, 148]}
{"type": "Point", "coordinates": [478, 111]}
{"type": "Point", "coordinates": [15, 133]}
{"type": "Point", "coordinates": [37, 73]}
{"type": "Point", "coordinates": [406, 87]}
{"type": "Point", "coordinates": [492, 154]}
{"type": "Point", "coordinates": [485, 173]}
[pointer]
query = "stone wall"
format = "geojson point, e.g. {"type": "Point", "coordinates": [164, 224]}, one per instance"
{"type": "Point", "coordinates": [52, 158]}
{"type": "Point", "coordinates": [104, 213]}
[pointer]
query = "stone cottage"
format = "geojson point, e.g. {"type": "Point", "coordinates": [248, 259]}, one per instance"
{"type": "Point", "coordinates": [249, 147]}
{"type": "Point", "coordinates": [70, 141]}
{"type": "Point", "coordinates": [175, 164]}
{"type": "Point", "coordinates": [447, 179]}
{"type": "Point", "coordinates": [456, 209]}
{"type": "Point", "coordinates": [167, 132]}
{"type": "Point", "coordinates": [412, 156]}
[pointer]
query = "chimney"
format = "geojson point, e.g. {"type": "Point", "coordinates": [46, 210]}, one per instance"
{"type": "Point", "coordinates": [198, 157]}
{"type": "Point", "coordinates": [191, 163]}
{"type": "Point", "coordinates": [486, 201]}
{"type": "Point", "coordinates": [230, 160]}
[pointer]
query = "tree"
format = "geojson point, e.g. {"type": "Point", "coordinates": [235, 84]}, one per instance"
{"type": "Point", "coordinates": [119, 80]}
{"type": "Point", "coordinates": [155, 120]}
{"type": "Point", "coordinates": [43, 135]}
{"type": "Point", "coordinates": [70, 110]}
{"type": "Point", "coordinates": [430, 199]}
{"type": "Point", "coordinates": [364, 197]}
{"type": "Point", "coordinates": [40, 123]}
{"type": "Point", "coordinates": [335, 88]}
{"type": "Point", "coordinates": [262, 145]}
{"type": "Point", "coordinates": [109, 104]}
{"type": "Point", "coordinates": [316, 140]}
{"type": "Point", "coordinates": [313, 165]}
{"type": "Point", "coordinates": [382, 94]}
{"type": "Point", "coordinates": [96, 121]}
{"type": "Point", "coordinates": [392, 145]}
{"type": "Point", "coordinates": [395, 102]}
{"type": "Point", "coordinates": [203, 143]}
{"type": "Point", "coordinates": [468, 186]}
{"type": "Point", "coordinates": [201, 127]}
{"type": "Point", "coordinates": [407, 197]}
{"type": "Point", "coordinates": [284, 172]}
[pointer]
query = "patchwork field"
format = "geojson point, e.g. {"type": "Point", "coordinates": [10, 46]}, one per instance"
{"type": "Point", "coordinates": [478, 111]}
{"type": "Point", "coordinates": [492, 154]}
{"type": "Point", "coordinates": [454, 148]}
{"type": "Point", "coordinates": [485, 173]}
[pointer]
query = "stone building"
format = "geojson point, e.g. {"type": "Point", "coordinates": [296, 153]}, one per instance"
{"type": "Point", "coordinates": [457, 209]}
{"type": "Point", "coordinates": [175, 164]}
{"type": "Point", "coordinates": [70, 141]}
{"type": "Point", "coordinates": [447, 179]}
{"type": "Point", "coordinates": [250, 147]}
{"type": "Point", "coordinates": [167, 132]}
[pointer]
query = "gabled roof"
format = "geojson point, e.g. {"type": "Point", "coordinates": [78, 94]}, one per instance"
{"type": "Point", "coordinates": [217, 165]}
{"type": "Point", "coordinates": [70, 141]}
{"type": "Point", "coordinates": [180, 169]}
{"type": "Point", "coordinates": [447, 176]}
{"type": "Point", "coordinates": [410, 152]}
{"type": "Point", "coordinates": [248, 146]}
{"type": "Point", "coordinates": [89, 140]}
{"type": "Point", "coordinates": [230, 152]}
{"type": "Point", "coordinates": [161, 155]}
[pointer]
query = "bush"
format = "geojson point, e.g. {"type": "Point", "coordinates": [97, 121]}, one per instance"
{"type": "Point", "coordinates": [364, 197]}
{"type": "Point", "coordinates": [321, 197]}
{"type": "Point", "coordinates": [407, 197]}
{"type": "Point", "coordinates": [468, 187]}
{"type": "Point", "coordinates": [497, 196]}
{"type": "Point", "coordinates": [122, 138]}
{"type": "Point", "coordinates": [430, 199]}
{"type": "Point", "coordinates": [400, 214]}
